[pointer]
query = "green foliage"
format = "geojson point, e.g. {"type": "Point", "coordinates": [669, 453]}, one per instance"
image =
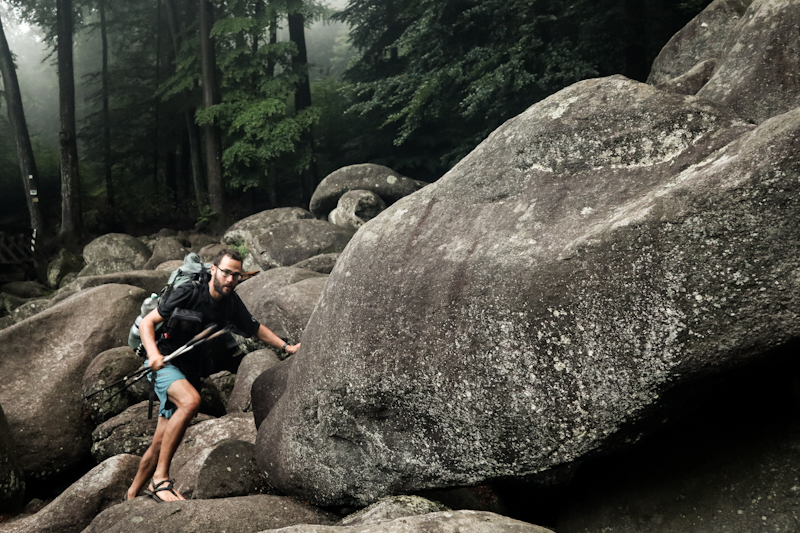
{"type": "Point", "coordinates": [206, 217]}
{"type": "Point", "coordinates": [438, 76]}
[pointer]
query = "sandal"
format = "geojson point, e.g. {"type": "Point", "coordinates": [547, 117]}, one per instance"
{"type": "Point", "coordinates": [166, 484]}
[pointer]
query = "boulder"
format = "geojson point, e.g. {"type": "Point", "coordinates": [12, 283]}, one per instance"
{"type": "Point", "coordinates": [109, 266]}
{"type": "Point", "coordinates": [268, 388]}
{"type": "Point", "coordinates": [253, 365]}
{"type": "Point", "coordinates": [355, 208]}
{"type": "Point", "coordinates": [30, 308]}
{"type": "Point", "coordinates": [229, 470]}
{"type": "Point", "coordinates": [246, 231]}
{"type": "Point", "coordinates": [692, 81]}
{"type": "Point", "coordinates": [6, 321]}
{"type": "Point", "coordinates": [200, 441]}
{"type": "Point", "coordinates": [289, 243]}
{"type": "Point", "coordinates": [390, 508]}
{"type": "Point", "coordinates": [149, 280]}
{"type": "Point", "coordinates": [215, 392]}
{"type": "Point", "coordinates": [25, 289]}
{"type": "Point", "coordinates": [441, 522]}
{"type": "Point", "coordinates": [208, 252]}
{"type": "Point", "coordinates": [109, 367]}
{"type": "Point", "coordinates": [610, 244]}
{"type": "Point", "coordinates": [76, 507]}
{"type": "Point", "coordinates": [758, 77]}
{"type": "Point", "coordinates": [12, 481]}
{"type": "Point", "coordinates": [117, 246]}
{"type": "Point", "coordinates": [287, 310]}
{"type": "Point", "coordinates": [9, 302]}
{"type": "Point", "coordinates": [702, 40]}
{"type": "Point", "coordinates": [169, 266]}
{"type": "Point", "coordinates": [259, 292]}
{"type": "Point", "coordinates": [128, 432]}
{"type": "Point", "coordinates": [64, 263]}
{"type": "Point", "coordinates": [166, 249]}
{"type": "Point", "coordinates": [43, 361]}
{"type": "Point", "coordinates": [245, 514]}
{"type": "Point", "coordinates": [383, 181]}
{"type": "Point", "coordinates": [199, 240]}
{"type": "Point", "coordinates": [322, 263]}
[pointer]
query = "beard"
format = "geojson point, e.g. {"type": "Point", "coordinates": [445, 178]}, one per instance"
{"type": "Point", "coordinates": [219, 287]}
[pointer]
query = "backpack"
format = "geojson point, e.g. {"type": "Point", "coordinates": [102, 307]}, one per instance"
{"type": "Point", "coordinates": [193, 270]}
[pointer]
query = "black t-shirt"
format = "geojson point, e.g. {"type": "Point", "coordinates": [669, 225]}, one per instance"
{"type": "Point", "coordinates": [229, 310]}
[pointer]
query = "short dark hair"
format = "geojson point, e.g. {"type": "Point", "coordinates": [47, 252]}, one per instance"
{"type": "Point", "coordinates": [233, 254]}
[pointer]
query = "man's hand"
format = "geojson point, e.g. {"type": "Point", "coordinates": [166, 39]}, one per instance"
{"type": "Point", "coordinates": [291, 350]}
{"type": "Point", "coordinates": [155, 361]}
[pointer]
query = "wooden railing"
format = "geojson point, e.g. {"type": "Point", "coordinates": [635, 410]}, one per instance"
{"type": "Point", "coordinates": [17, 248]}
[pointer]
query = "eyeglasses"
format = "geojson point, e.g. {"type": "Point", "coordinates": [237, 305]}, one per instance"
{"type": "Point", "coordinates": [230, 274]}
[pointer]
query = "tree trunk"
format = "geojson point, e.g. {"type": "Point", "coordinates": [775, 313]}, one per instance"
{"type": "Point", "coordinates": [211, 131]}
{"type": "Point", "coordinates": [19, 128]}
{"type": "Point", "coordinates": [106, 113]}
{"type": "Point", "coordinates": [71, 226]}
{"type": "Point", "coordinates": [302, 94]}
{"type": "Point", "coordinates": [191, 127]}
{"type": "Point", "coordinates": [156, 81]}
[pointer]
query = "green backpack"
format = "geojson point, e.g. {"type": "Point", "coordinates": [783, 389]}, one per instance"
{"type": "Point", "coordinates": [193, 270]}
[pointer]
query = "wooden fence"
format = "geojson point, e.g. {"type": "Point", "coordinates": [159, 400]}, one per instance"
{"type": "Point", "coordinates": [17, 248]}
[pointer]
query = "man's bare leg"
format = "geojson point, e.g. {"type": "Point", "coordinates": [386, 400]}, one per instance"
{"type": "Point", "coordinates": [187, 400]}
{"type": "Point", "coordinates": [149, 460]}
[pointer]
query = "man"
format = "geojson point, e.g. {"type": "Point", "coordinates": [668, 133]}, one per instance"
{"type": "Point", "coordinates": [177, 382]}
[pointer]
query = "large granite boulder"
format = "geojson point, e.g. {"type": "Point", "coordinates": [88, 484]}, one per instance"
{"type": "Point", "coordinates": [12, 481]}
{"type": "Point", "coordinates": [322, 263]}
{"type": "Point", "coordinates": [610, 244]}
{"type": "Point", "coordinates": [192, 457]}
{"type": "Point", "coordinates": [268, 388]}
{"type": "Point", "coordinates": [107, 368]}
{"type": "Point", "coordinates": [25, 289]}
{"type": "Point", "coordinates": [392, 507]}
{"type": "Point", "coordinates": [286, 312]}
{"type": "Point", "coordinates": [229, 470]}
{"type": "Point", "coordinates": [758, 76]}
{"type": "Point", "coordinates": [43, 361]}
{"type": "Point", "coordinates": [64, 263]}
{"type": "Point", "coordinates": [129, 432]}
{"type": "Point", "coordinates": [243, 514]}
{"type": "Point", "coordinates": [381, 180]}
{"type": "Point", "coordinates": [117, 246]}
{"type": "Point", "coordinates": [165, 249]}
{"type": "Point", "coordinates": [355, 208]}
{"type": "Point", "coordinates": [261, 292]}
{"type": "Point", "coordinates": [701, 41]}
{"type": "Point", "coordinates": [247, 230]}
{"type": "Point", "coordinates": [253, 365]}
{"type": "Point", "coordinates": [441, 522]}
{"type": "Point", "coordinates": [76, 507]}
{"type": "Point", "coordinates": [291, 242]}
{"type": "Point", "coordinates": [151, 281]}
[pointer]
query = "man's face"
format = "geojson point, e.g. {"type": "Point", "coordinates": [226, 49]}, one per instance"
{"type": "Point", "coordinates": [227, 275]}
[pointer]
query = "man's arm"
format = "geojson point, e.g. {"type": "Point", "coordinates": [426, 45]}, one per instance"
{"type": "Point", "coordinates": [147, 332]}
{"type": "Point", "coordinates": [266, 335]}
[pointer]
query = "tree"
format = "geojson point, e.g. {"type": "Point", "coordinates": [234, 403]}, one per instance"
{"type": "Point", "coordinates": [437, 76]}
{"type": "Point", "coordinates": [211, 131]}
{"type": "Point", "coordinates": [19, 127]}
{"type": "Point", "coordinates": [302, 92]}
{"type": "Point", "coordinates": [71, 223]}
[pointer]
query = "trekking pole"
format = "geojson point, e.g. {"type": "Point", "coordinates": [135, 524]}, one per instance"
{"type": "Point", "coordinates": [144, 370]}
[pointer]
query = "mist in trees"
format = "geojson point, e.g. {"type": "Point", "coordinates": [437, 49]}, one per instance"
{"type": "Point", "coordinates": [413, 84]}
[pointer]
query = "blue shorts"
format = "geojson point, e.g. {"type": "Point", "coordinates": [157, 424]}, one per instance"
{"type": "Point", "coordinates": [164, 378]}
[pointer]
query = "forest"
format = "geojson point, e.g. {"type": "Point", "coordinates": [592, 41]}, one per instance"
{"type": "Point", "coordinates": [182, 113]}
